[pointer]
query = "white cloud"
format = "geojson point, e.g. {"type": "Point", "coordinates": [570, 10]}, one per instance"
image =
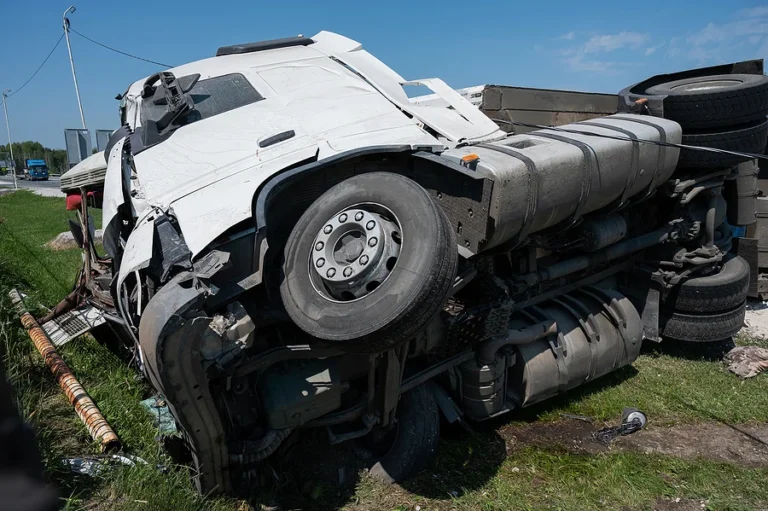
{"type": "Point", "coordinates": [738, 29]}
{"type": "Point", "coordinates": [580, 64]}
{"type": "Point", "coordinates": [741, 35]}
{"type": "Point", "coordinates": [652, 49]}
{"type": "Point", "coordinates": [584, 56]}
{"type": "Point", "coordinates": [754, 12]}
{"type": "Point", "coordinates": [612, 42]}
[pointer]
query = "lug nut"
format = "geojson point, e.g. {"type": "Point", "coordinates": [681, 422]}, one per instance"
{"type": "Point", "coordinates": [319, 245]}
{"type": "Point", "coordinates": [328, 229]}
{"type": "Point", "coordinates": [359, 216]}
{"type": "Point", "coordinates": [370, 225]}
{"type": "Point", "coordinates": [331, 272]}
{"type": "Point", "coordinates": [372, 242]}
{"type": "Point", "coordinates": [347, 271]}
{"type": "Point", "coordinates": [364, 260]}
{"type": "Point", "coordinates": [320, 262]}
{"type": "Point", "coordinates": [343, 217]}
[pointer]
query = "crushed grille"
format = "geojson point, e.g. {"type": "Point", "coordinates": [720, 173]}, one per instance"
{"type": "Point", "coordinates": [73, 324]}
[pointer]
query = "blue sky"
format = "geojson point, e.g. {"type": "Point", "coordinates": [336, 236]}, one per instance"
{"type": "Point", "coordinates": [598, 46]}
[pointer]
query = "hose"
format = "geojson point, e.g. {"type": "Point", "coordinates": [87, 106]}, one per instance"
{"type": "Point", "coordinates": [486, 353]}
{"type": "Point", "coordinates": [257, 450]}
{"type": "Point", "coordinates": [586, 261]}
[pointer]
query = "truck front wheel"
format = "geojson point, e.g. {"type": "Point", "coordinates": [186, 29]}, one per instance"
{"type": "Point", "coordinates": [369, 263]}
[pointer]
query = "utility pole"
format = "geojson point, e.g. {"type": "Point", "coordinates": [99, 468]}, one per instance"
{"type": "Point", "coordinates": [65, 23]}
{"type": "Point", "coordinates": [10, 142]}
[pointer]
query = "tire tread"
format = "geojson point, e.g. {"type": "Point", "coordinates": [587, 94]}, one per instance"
{"type": "Point", "coordinates": [720, 108]}
{"type": "Point", "coordinates": [746, 139]}
{"type": "Point", "coordinates": [704, 327]}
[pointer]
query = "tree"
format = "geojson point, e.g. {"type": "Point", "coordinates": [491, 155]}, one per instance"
{"type": "Point", "coordinates": [56, 159]}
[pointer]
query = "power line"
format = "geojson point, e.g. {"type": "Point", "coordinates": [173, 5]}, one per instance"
{"type": "Point", "coordinates": [39, 68]}
{"type": "Point", "coordinates": [118, 51]}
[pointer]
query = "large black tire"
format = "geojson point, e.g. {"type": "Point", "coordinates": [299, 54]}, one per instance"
{"type": "Point", "coordinates": [702, 327]}
{"type": "Point", "coordinates": [750, 138]}
{"type": "Point", "coordinates": [717, 292]}
{"type": "Point", "coordinates": [714, 101]}
{"type": "Point", "coordinates": [416, 437]}
{"type": "Point", "coordinates": [401, 305]}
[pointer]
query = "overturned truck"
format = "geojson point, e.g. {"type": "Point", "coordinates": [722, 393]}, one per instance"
{"type": "Point", "coordinates": [295, 243]}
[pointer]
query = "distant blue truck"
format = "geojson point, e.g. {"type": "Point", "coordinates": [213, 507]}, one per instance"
{"type": "Point", "coordinates": [37, 170]}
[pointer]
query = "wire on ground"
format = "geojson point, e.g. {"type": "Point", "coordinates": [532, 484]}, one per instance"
{"type": "Point", "coordinates": [118, 51]}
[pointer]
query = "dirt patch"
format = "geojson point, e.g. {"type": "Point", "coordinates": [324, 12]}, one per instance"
{"type": "Point", "coordinates": [571, 435]}
{"type": "Point", "coordinates": [745, 445]}
{"type": "Point", "coordinates": [679, 505]}
{"type": "Point", "coordinates": [756, 321]}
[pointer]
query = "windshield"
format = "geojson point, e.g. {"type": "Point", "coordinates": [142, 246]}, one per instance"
{"type": "Point", "coordinates": [210, 97]}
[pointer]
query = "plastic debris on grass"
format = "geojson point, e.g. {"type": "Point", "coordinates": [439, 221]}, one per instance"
{"type": "Point", "coordinates": [747, 361]}
{"type": "Point", "coordinates": [164, 421]}
{"type": "Point", "coordinates": [95, 466]}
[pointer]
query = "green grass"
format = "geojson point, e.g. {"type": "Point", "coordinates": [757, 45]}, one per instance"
{"type": "Point", "coordinates": [547, 479]}
{"type": "Point", "coordinates": [29, 221]}
{"type": "Point", "coordinates": [670, 389]}
{"type": "Point", "coordinates": [472, 472]}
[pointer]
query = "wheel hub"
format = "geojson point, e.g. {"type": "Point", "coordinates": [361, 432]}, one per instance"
{"type": "Point", "coordinates": [355, 251]}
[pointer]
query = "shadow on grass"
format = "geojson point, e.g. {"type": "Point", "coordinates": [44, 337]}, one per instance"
{"type": "Point", "coordinates": [314, 475]}
{"type": "Point", "coordinates": [706, 351]}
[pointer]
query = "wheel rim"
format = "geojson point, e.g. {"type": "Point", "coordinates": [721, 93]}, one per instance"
{"type": "Point", "coordinates": [355, 252]}
{"type": "Point", "coordinates": [705, 86]}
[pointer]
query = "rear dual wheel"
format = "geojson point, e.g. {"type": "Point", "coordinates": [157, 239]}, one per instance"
{"type": "Point", "coordinates": [707, 308]}
{"type": "Point", "coordinates": [719, 112]}
{"type": "Point", "coordinates": [716, 101]}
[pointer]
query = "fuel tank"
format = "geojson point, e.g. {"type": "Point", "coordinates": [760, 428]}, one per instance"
{"type": "Point", "coordinates": [549, 177]}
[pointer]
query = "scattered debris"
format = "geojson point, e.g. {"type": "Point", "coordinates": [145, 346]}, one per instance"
{"type": "Point", "coordinates": [66, 241]}
{"type": "Point", "coordinates": [582, 418]}
{"type": "Point", "coordinates": [632, 420]}
{"type": "Point", "coordinates": [73, 324]}
{"type": "Point", "coordinates": [747, 361]}
{"type": "Point", "coordinates": [164, 421]}
{"type": "Point", "coordinates": [95, 466]}
{"type": "Point", "coordinates": [86, 409]}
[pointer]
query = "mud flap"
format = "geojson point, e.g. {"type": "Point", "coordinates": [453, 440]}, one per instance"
{"type": "Point", "coordinates": [650, 315]}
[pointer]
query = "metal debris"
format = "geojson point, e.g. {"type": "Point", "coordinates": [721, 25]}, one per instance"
{"type": "Point", "coordinates": [95, 466]}
{"type": "Point", "coordinates": [582, 418]}
{"type": "Point", "coordinates": [85, 408]}
{"type": "Point", "coordinates": [73, 324]}
{"type": "Point", "coordinates": [747, 361]}
{"type": "Point", "coordinates": [632, 420]}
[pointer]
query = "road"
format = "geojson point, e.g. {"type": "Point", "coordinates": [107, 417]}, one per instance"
{"type": "Point", "coordinates": [48, 188]}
